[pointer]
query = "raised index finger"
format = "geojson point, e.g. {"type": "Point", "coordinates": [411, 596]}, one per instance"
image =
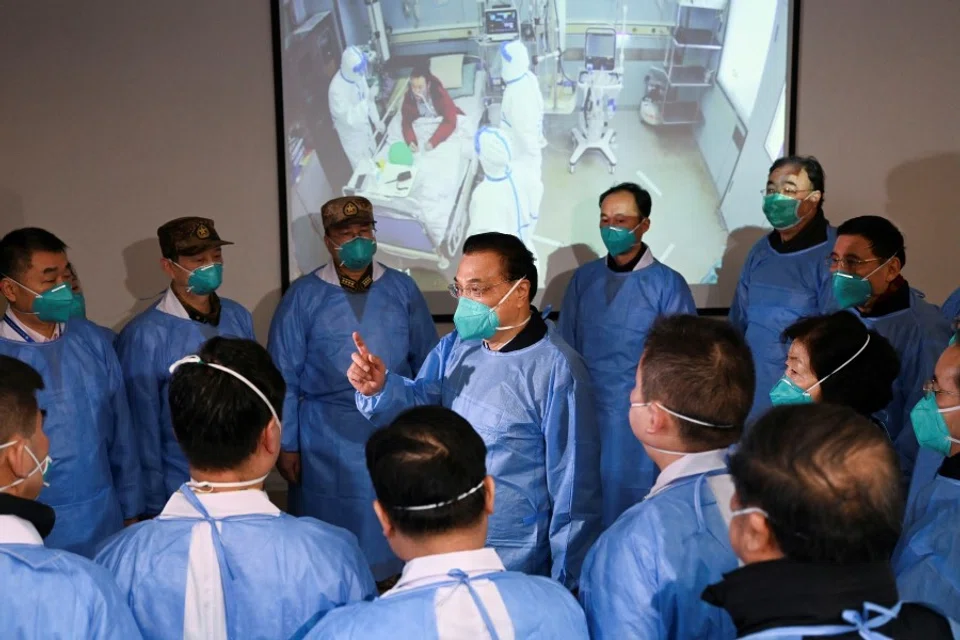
{"type": "Point", "coordinates": [361, 345]}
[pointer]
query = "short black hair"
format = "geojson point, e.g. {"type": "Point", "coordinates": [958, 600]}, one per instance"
{"type": "Point", "coordinates": [640, 195]}
{"type": "Point", "coordinates": [703, 369]}
{"type": "Point", "coordinates": [19, 384]}
{"type": "Point", "coordinates": [428, 455]}
{"type": "Point", "coordinates": [216, 417]}
{"type": "Point", "coordinates": [18, 246]}
{"type": "Point", "coordinates": [813, 169]}
{"type": "Point", "coordinates": [885, 239]}
{"type": "Point", "coordinates": [866, 383]}
{"type": "Point", "coordinates": [421, 70]}
{"type": "Point", "coordinates": [517, 260]}
{"type": "Point", "coordinates": [829, 481]}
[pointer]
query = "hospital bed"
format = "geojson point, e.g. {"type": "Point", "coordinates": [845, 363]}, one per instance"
{"type": "Point", "coordinates": [427, 219]}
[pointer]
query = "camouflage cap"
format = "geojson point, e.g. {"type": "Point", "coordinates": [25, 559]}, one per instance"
{"type": "Point", "coordinates": [188, 236]}
{"type": "Point", "coordinates": [345, 211]}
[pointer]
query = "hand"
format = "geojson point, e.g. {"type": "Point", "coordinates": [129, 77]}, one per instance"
{"type": "Point", "coordinates": [130, 521]}
{"type": "Point", "coordinates": [428, 147]}
{"type": "Point", "coordinates": [288, 464]}
{"type": "Point", "coordinates": [413, 147]}
{"type": "Point", "coordinates": [367, 374]}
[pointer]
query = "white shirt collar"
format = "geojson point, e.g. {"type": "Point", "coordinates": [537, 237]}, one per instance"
{"type": "Point", "coordinates": [172, 306]}
{"type": "Point", "coordinates": [645, 261]}
{"type": "Point", "coordinates": [328, 273]}
{"type": "Point", "coordinates": [428, 570]}
{"type": "Point", "coordinates": [8, 332]}
{"type": "Point", "coordinates": [16, 530]}
{"type": "Point", "coordinates": [221, 505]}
{"type": "Point", "coordinates": [692, 464]}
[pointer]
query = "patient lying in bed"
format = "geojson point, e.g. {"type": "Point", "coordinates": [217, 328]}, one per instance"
{"type": "Point", "coordinates": [427, 98]}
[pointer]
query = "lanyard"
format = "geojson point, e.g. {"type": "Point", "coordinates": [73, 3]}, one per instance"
{"type": "Point", "coordinates": [20, 332]}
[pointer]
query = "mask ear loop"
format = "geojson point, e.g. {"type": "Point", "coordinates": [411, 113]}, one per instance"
{"type": "Point", "coordinates": [849, 360]}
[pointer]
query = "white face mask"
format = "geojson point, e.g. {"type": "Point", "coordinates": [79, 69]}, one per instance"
{"type": "Point", "coordinates": [42, 467]}
{"type": "Point", "coordinates": [210, 486]}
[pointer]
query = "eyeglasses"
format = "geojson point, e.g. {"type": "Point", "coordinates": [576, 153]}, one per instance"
{"type": "Point", "coordinates": [931, 386]}
{"type": "Point", "coordinates": [787, 190]}
{"type": "Point", "coordinates": [847, 264]}
{"type": "Point", "coordinates": [472, 290]}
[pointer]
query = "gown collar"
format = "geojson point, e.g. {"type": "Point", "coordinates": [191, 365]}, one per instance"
{"type": "Point", "coordinates": [427, 570]}
{"type": "Point", "coordinates": [24, 521]}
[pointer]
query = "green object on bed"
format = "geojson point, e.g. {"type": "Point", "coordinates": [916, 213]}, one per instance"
{"type": "Point", "coordinates": [400, 154]}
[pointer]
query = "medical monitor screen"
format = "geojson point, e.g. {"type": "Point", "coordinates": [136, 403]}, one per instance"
{"type": "Point", "coordinates": [502, 22]}
{"type": "Point", "coordinates": [449, 130]}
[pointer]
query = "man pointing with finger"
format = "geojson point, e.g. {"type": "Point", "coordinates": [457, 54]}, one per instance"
{"type": "Point", "coordinates": [527, 394]}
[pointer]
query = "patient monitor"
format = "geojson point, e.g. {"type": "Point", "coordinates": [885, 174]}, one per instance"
{"type": "Point", "coordinates": [501, 24]}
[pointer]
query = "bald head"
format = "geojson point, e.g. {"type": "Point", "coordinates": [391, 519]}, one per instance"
{"type": "Point", "coordinates": [829, 481]}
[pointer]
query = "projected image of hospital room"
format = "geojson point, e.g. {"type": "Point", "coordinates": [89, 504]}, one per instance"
{"type": "Point", "coordinates": [459, 117]}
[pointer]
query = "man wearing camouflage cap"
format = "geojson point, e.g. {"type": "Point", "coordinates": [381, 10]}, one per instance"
{"type": "Point", "coordinates": [189, 314]}
{"type": "Point", "coordinates": [311, 341]}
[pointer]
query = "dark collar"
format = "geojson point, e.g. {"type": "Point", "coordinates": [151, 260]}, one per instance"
{"type": "Point", "coordinates": [810, 236]}
{"type": "Point", "coordinates": [895, 298]}
{"type": "Point", "coordinates": [530, 335]}
{"type": "Point", "coordinates": [360, 285]}
{"type": "Point", "coordinates": [951, 467]}
{"type": "Point", "coordinates": [212, 318]}
{"type": "Point", "coordinates": [36, 513]}
{"type": "Point", "coordinates": [630, 266]}
{"type": "Point", "coordinates": [782, 593]}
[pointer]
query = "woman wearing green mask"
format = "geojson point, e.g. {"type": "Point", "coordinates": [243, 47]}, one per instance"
{"type": "Point", "coordinates": [836, 359]}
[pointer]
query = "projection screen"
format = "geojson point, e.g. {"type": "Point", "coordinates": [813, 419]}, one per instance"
{"type": "Point", "coordinates": [691, 99]}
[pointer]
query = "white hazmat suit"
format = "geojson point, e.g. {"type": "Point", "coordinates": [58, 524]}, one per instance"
{"type": "Point", "coordinates": [353, 108]}
{"type": "Point", "coordinates": [521, 114]}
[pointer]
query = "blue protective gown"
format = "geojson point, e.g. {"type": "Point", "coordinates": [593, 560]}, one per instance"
{"type": "Point", "coordinates": [538, 608]}
{"type": "Point", "coordinates": [919, 334]}
{"type": "Point", "coordinates": [927, 559]}
{"type": "Point", "coordinates": [311, 342]}
{"type": "Point", "coordinates": [534, 410]}
{"type": "Point", "coordinates": [606, 317]}
{"type": "Point", "coordinates": [95, 479]}
{"type": "Point", "coordinates": [951, 308]}
{"type": "Point", "coordinates": [645, 575]}
{"type": "Point", "coordinates": [284, 570]}
{"type": "Point", "coordinates": [775, 290]}
{"type": "Point", "coordinates": [147, 346]}
{"type": "Point", "coordinates": [54, 594]}
{"type": "Point", "coordinates": [924, 472]}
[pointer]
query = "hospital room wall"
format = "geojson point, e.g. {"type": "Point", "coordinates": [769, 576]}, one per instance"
{"type": "Point", "coordinates": [119, 116]}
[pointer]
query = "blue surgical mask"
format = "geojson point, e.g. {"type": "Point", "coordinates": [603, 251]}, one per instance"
{"type": "Point", "coordinates": [357, 253]}
{"type": "Point", "coordinates": [54, 305]}
{"type": "Point", "coordinates": [204, 280]}
{"type": "Point", "coordinates": [851, 290]}
{"type": "Point", "coordinates": [42, 467]}
{"type": "Point", "coordinates": [476, 321]}
{"type": "Point", "coordinates": [618, 240]}
{"type": "Point", "coordinates": [930, 427]}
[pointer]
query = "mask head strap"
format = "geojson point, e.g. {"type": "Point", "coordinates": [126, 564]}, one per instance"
{"type": "Point", "coordinates": [196, 360]}
{"type": "Point", "coordinates": [849, 360]}
{"type": "Point", "coordinates": [437, 505]}
{"type": "Point", "coordinates": [683, 417]}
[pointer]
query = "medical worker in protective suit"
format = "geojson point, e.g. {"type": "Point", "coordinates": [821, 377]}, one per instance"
{"type": "Point", "coordinates": [353, 108]}
{"type": "Point", "coordinates": [866, 261]}
{"type": "Point", "coordinates": [95, 485]}
{"type": "Point", "coordinates": [188, 314]}
{"type": "Point", "coordinates": [785, 276]}
{"type": "Point", "coordinates": [644, 576]}
{"type": "Point", "coordinates": [434, 499]}
{"type": "Point", "coordinates": [815, 517]}
{"type": "Point", "coordinates": [927, 560]}
{"type": "Point", "coordinates": [221, 561]}
{"type": "Point", "coordinates": [500, 202]}
{"type": "Point", "coordinates": [525, 391]}
{"type": "Point", "coordinates": [521, 115]}
{"type": "Point", "coordinates": [42, 584]}
{"type": "Point", "coordinates": [311, 342]}
{"type": "Point", "coordinates": [608, 308]}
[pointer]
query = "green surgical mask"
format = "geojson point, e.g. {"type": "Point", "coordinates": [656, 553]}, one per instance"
{"type": "Point", "coordinates": [851, 290]}
{"type": "Point", "coordinates": [476, 321]}
{"type": "Point", "coordinates": [781, 210]}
